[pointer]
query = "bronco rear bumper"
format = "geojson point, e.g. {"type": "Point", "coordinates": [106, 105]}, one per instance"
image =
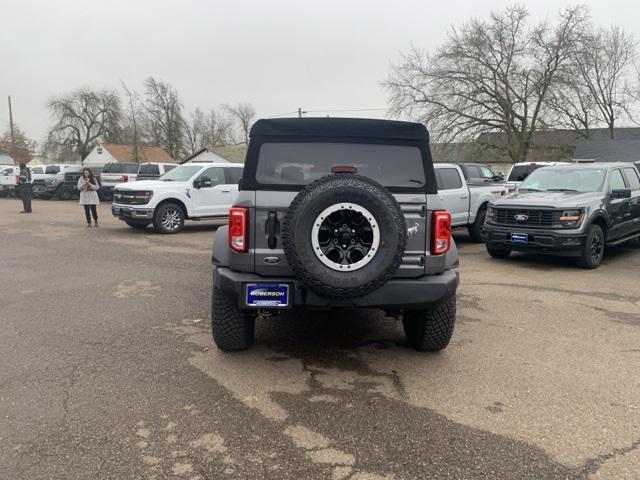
{"type": "Point", "coordinates": [397, 294]}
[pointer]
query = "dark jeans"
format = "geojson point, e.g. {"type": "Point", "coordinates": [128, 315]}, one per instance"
{"type": "Point", "coordinates": [94, 212]}
{"type": "Point", "coordinates": [25, 193]}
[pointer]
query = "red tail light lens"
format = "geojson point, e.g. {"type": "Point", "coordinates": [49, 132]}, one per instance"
{"type": "Point", "coordinates": [125, 178]}
{"type": "Point", "coordinates": [441, 232]}
{"type": "Point", "coordinates": [17, 179]}
{"type": "Point", "coordinates": [238, 221]}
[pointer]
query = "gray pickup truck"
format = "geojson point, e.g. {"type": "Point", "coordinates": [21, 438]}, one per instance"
{"type": "Point", "coordinates": [467, 203]}
{"type": "Point", "coordinates": [336, 213]}
{"type": "Point", "coordinates": [572, 210]}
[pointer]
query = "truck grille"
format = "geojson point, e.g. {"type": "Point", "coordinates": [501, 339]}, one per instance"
{"type": "Point", "coordinates": [530, 218]}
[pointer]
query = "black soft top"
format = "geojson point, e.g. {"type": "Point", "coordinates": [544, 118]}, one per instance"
{"type": "Point", "coordinates": [340, 128]}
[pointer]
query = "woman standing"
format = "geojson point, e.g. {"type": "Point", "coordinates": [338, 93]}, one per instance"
{"type": "Point", "coordinates": [88, 186]}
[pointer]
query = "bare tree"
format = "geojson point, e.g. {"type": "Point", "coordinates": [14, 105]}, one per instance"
{"type": "Point", "coordinates": [244, 114]}
{"type": "Point", "coordinates": [194, 131]}
{"type": "Point", "coordinates": [603, 63]}
{"type": "Point", "coordinates": [571, 105]}
{"type": "Point", "coordinates": [131, 132]}
{"type": "Point", "coordinates": [489, 76]}
{"type": "Point", "coordinates": [164, 123]}
{"type": "Point", "coordinates": [218, 128]}
{"type": "Point", "coordinates": [83, 117]}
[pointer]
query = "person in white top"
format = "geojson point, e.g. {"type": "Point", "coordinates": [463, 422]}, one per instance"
{"type": "Point", "coordinates": [88, 186]}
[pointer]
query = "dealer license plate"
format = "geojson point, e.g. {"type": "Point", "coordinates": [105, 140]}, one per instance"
{"type": "Point", "coordinates": [267, 295]}
{"type": "Point", "coordinates": [520, 238]}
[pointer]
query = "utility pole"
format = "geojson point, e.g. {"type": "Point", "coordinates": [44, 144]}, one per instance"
{"type": "Point", "coordinates": [300, 112]}
{"type": "Point", "coordinates": [13, 138]}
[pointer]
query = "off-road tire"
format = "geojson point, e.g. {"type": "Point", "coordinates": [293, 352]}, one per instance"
{"type": "Point", "coordinates": [589, 259]}
{"type": "Point", "coordinates": [233, 329]}
{"type": "Point", "coordinates": [322, 194]}
{"type": "Point", "coordinates": [498, 252]}
{"type": "Point", "coordinates": [137, 225]}
{"type": "Point", "coordinates": [431, 330]}
{"type": "Point", "coordinates": [158, 215]}
{"type": "Point", "coordinates": [475, 229]}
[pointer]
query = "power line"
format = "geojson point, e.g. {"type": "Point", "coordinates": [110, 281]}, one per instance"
{"type": "Point", "coordinates": [331, 110]}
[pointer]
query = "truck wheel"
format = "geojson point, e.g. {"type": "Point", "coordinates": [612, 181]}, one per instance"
{"type": "Point", "coordinates": [168, 218]}
{"type": "Point", "coordinates": [137, 225]}
{"type": "Point", "coordinates": [233, 329]}
{"type": "Point", "coordinates": [344, 236]}
{"type": "Point", "coordinates": [593, 250]}
{"type": "Point", "coordinates": [431, 330]}
{"type": "Point", "coordinates": [475, 228]}
{"type": "Point", "coordinates": [498, 252]}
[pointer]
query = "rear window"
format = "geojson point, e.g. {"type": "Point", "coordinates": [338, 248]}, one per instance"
{"type": "Point", "coordinates": [302, 163]}
{"type": "Point", "coordinates": [168, 168]}
{"type": "Point", "coordinates": [52, 169]}
{"type": "Point", "coordinates": [149, 170]}
{"type": "Point", "coordinates": [519, 172]}
{"type": "Point", "coordinates": [448, 179]}
{"type": "Point", "coordinates": [121, 168]}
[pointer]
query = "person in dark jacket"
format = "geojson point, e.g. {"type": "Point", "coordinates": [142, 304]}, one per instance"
{"type": "Point", "coordinates": [24, 184]}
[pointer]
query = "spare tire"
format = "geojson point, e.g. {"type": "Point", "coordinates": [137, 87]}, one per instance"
{"type": "Point", "coordinates": [344, 236]}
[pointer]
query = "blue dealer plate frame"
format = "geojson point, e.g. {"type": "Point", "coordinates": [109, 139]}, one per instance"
{"type": "Point", "coordinates": [522, 238]}
{"type": "Point", "coordinates": [267, 295]}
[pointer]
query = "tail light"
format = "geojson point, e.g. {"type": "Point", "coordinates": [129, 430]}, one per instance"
{"type": "Point", "coordinates": [441, 229]}
{"type": "Point", "coordinates": [238, 220]}
{"type": "Point", "coordinates": [17, 179]}
{"type": "Point", "coordinates": [125, 178]}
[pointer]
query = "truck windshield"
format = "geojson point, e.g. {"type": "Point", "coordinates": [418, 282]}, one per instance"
{"type": "Point", "coordinates": [302, 163]}
{"type": "Point", "coordinates": [180, 174]}
{"type": "Point", "coordinates": [565, 180]}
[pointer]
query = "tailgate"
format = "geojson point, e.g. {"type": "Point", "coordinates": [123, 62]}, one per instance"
{"type": "Point", "coordinates": [267, 219]}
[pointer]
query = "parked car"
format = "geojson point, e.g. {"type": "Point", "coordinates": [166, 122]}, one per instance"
{"type": "Point", "coordinates": [71, 177]}
{"type": "Point", "coordinates": [153, 171]}
{"type": "Point", "coordinates": [115, 173]}
{"type": "Point", "coordinates": [51, 182]}
{"type": "Point", "coordinates": [194, 191]}
{"type": "Point", "coordinates": [9, 180]}
{"type": "Point", "coordinates": [479, 173]}
{"type": "Point", "coordinates": [336, 213]}
{"type": "Point", "coordinates": [572, 210]}
{"type": "Point", "coordinates": [520, 171]}
{"type": "Point", "coordinates": [467, 203]}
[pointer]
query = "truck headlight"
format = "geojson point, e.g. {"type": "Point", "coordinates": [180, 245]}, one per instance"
{"type": "Point", "coordinates": [571, 218]}
{"type": "Point", "coordinates": [491, 214]}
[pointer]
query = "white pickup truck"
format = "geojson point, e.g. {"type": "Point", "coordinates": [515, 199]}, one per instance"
{"type": "Point", "coordinates": [467, 203]}
{"type": "Point", "coordinates": [193, 191]}
{"type": "Point", "coordinates": [8, 180]}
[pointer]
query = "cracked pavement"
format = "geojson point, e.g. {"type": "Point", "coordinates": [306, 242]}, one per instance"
{"type": "Point", "coordinates": [109, 370]}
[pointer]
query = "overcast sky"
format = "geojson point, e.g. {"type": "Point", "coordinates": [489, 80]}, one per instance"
{"type": "Point", "coordinates": [278, 55]}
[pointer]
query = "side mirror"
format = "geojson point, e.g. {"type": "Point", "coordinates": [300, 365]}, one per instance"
{"type": "Point", "coordinates": [497, 178]}
{"type": "Point", "coordinates": [621, 193]}
{"type": "Point", "coordinates": [197, 184]}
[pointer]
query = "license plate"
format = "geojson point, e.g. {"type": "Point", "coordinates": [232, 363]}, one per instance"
{"type": "Point", "coordinates": [520, 238]}
{"type": "Point", "coordinates": [268, 295]}
{"type": "Point", "coordinates": [38, 188]}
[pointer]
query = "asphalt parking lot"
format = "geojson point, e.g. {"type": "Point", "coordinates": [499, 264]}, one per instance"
{"type": "Point", "coordinates": [109, 371]}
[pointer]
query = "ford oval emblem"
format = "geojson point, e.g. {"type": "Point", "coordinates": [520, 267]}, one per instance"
{"type": "Point", "coordinates": [521, 217]}
{"type": "Point", "coordinates": [271, 260]}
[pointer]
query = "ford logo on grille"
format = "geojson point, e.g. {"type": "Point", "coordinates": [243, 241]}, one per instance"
{"type": "Point", "coordinates": [521, 217]}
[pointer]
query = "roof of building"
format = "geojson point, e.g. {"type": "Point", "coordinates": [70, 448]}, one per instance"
{"type": "Point", "coordinates": [618, 150]}
{"type": "Point", "coordinates": [339, 128]}
{"type": "Point", "coordinates": [124, 153]}
{"type": "Point", "coordinates": [204, 150]}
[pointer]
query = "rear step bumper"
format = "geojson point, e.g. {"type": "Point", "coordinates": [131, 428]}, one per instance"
{"type": "Point", "coordinates": [397, 294]}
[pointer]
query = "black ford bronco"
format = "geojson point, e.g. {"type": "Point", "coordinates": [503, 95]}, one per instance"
{"type": "Point", "coordinates": [336, 213]}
